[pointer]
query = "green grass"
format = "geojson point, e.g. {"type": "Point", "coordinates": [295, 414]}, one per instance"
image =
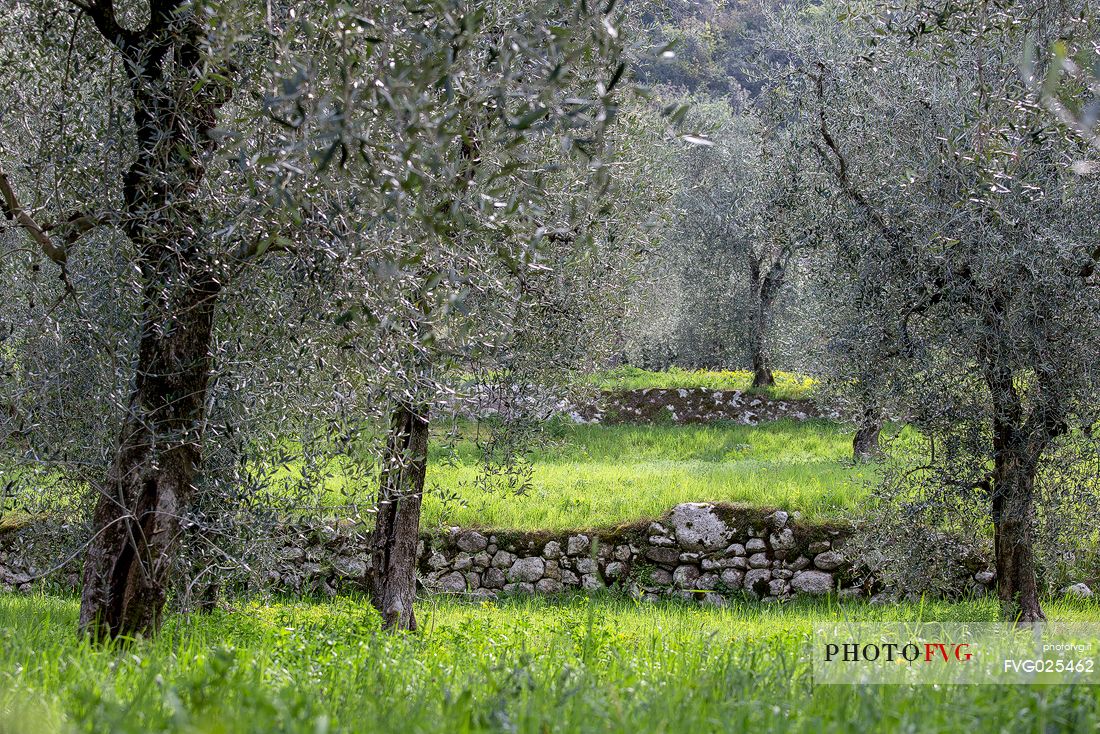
{"type": "Point", "coordinates": [601, 475]}
{"type": "Point", "coordinates": [604, 475]}
{"type": "Point", "coordinates": [788, 385]}
{"type": "Point", "coordinates": [574, 665]}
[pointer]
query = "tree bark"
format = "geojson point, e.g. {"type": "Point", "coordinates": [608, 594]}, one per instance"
{"type": "Point", "coordinates": [761, 374]}
{"type": "Point", "coordinates": [865, 446]}
{"type": "Point", "coordinates": [150, 481]}
{"type": "Point", "coordinates": [1013, 521]}
{"type": "Point", "coordinates": [397, 525]}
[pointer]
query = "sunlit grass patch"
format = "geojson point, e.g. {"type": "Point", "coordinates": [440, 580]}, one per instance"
{"type": "Point", "coordinates": [788, 385]}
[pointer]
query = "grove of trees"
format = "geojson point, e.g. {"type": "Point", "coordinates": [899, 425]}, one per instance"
{"type": "Point", "coordinates": [239, 232]}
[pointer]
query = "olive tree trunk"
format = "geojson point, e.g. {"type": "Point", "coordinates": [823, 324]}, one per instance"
{"type": "Point", "coordinates": [397, 524]}
{"type": "Point", "coordinates": [150, 481]}
{"type": "Point", "coordinates": [1013, 542]}
{"type": "Point", "coordinates": [865, 445]}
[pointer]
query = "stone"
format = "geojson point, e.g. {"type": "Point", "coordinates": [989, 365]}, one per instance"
{"type": "Point", "coordinates": [755, 545]}
{"type": "Point", "coordinates": [829, 560]}
{"type": "Point", "coordinates": [666, 556]}
{"type": "Point", "coordinates": [883, 598]}
{"type": "Point", "coordinates": [462, 561]}
{"type": "Point", "coordinates": [819, 547]}
{"type": "Point", "coordinates": [777, 587]}
{"type": "Point", "coordinates": [686, 576]}
{"type": "Point", "coordinates": [591, 582]}
{"type": "Point", "coordinates": [698, 528]}
{"type": "Point", "coordinates": [493, 578]}
{"type": "Point", "coordinates": [985, 577]}
{"type": "Point", "coordinates": [528, 569]}
{"type": "Point", "coordinates": [622, 553]}
{"type": "Point", "coordinates": [759, 560]}
{"type": "Point", "coordinates": [615, 569]}
{"type": "Point", "coordinates": [578, 544]}
{"type": "Point", "coordinates": [689, 557]}
{"type": "Point", "coordinates": [782, 573]}
{"type": "Point", "coordinates": [756, 581]}
{"type": "Point", "coordinates": [735, 549]}
{"type": "Point", "coordinates": [482, 560]}
{"type": "Point", "coordinates": [778, 519]}
{"type": "Point", "coordinates": [521, 587]}
{"type": "Point", "coordinates": [585, 565]}
{"type": "Point", "coordinates": [549, 586]}
{"type": "Point", "coordinates": [1080, 591]}
{"type": "Point", "coordinates": [707, 582]}
{"type": "Point", "coordinates": [783, 540]}
{"type": "Point", "coordinates": [711, 599]}
{"type": "Point", "coordinates": [852, 592]}
{"type": "Point", "coordinates": [552, 550]}
{"type": "Point", "coordinates": [553, 570]}
{"type": "Point", "coordinates": [661, 577]}
{"type": "Point", "coordinates": [656, 528]}
{"type": "Point", "coordinates": [570, 579]}
{"type": "Point", "coordinates": [353, 568]}
{"type": "Point", "coordinates": [798, 564]}
{"type": "Point", "coordinates": [661, 540]}
{"type": "Point", "coordinates": [453, 582]}
{"type": "Point", "coordinates": [471, 541]}
{"type": "Point", "coordinates": [812, 582]}
{"type": "Point", "coordinates": [732, 578]}
{"type": "Point", "coordinates": [503, 559]}
{"type": "Point", "coordinates": [473, 580]}
{"type": "Point", "coordinates": [483, 594]}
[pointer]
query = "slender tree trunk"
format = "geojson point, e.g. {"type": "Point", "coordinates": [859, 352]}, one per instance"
{"type": "Point", "coordinates": [1013, 521]}
{"type": "Point", "coordinates": [150, 481]}
{"type": "Point", "coordinates": [758, 286]}
{"type": "Point", "coordinates": [865, 446]}
{"type": "Point", "coordinates": [397, 526]}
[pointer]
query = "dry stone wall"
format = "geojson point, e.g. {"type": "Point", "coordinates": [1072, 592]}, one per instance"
{"type": "Point", "coordinates": [695, 405]}
{"type": "Point", "coordinates": [704, 552]}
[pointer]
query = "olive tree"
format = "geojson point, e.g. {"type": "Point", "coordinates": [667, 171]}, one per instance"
{"type": "Point", "coordinates": [972, 278]}
{"type": "Point", "coordinates": [205, 176]}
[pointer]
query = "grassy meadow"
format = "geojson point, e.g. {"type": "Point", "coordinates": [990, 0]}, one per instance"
{"type": "Point", "coordinates": [604, 475]}
{"type": "Point", "coordinates": [788, 385]}
{"type": "Point", "coordinates": [577, 664]}
{"type": "Point", "coordinates": [596, 475]}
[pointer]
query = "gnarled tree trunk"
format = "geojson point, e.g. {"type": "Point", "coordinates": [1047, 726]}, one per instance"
{"type": "Point", "coordinates": [397, 525]}
{"type": "Point", "coordinates": [150, 481]}
{"type": "Point", "coordinates": [865, 446]}
{"type": "Point", "coordinates": [1013, 522]}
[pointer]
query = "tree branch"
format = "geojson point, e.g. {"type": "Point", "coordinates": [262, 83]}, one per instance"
{"type": "Point", "coordinates": [12, 210]}
{"type": "Point", "coordinates": [102, 13]}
